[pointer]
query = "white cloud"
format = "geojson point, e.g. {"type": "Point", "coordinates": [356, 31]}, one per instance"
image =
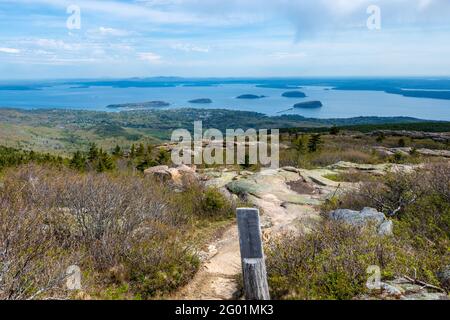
{"type": "Point", "coordinates": [287, 55]}
{"type": "Point", "coordinates": [56, 44]}
{"type": "Point", "coordinates": [104, 31]}
{"type": "Point", "coordinates": [186, 47]}
{"type": "Point", "coordinates": [150, 57]}
{"type": "Point", "coordinates": [9, 50]}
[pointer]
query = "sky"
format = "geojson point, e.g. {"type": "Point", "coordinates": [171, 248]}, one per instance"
{"type": "Point", "coordinates": [226, 38]}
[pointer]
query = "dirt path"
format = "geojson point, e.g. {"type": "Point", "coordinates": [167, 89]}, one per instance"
{"type": "Point", "coordinates": [216, 279]}
{"type": "Point", "coordinates": [282, 208]}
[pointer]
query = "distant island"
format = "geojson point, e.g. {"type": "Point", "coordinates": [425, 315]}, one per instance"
{"type": "Point", "coordinates": [294, 94]}
{"type": "Point", "coordinates": [140, 105]}
{"type": "Point", "coordinates": [277, 86]}
{"type": "Point", "coordinates": [201, 101]}
{"type": "Point", "coordinates": [18, 88]}
{"type": "Point", "coordinates": [250, 97]}
{"type": "Point", "coordinates": [308, 105]}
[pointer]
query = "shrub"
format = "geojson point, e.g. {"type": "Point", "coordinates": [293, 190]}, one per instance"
{"type": "Point", "coordinates": [419, 204]}
{"type": "Point", "coordinates": [198, 202]}
{"type": "Point", "coordinates": [326, 158]}
{"type": "Point", "coordinates": [126, 231]}
{"type": "Point", "coordinates": [328, 263]}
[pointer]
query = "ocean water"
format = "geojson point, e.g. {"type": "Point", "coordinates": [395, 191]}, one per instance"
{"type": "Point", "coordinates": [336, 103]}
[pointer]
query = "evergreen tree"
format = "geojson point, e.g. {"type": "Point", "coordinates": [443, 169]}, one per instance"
{"type": "Point", "coordinates": [117, 151]}
{"type": "Point", "coordinates": [78, 161]}
{"type": "Point", "coordinates": [93, 152]}
{"type": "Point", "coordinates": [300, 144]}
{"type": "Point", "coordinates": [149, 149]}
{"type": "Point", "coordinates": [334, 130]}
{"type": "Point", "coordinates": [140, 150]}
{"type": "Point", "coordinates": [163, 157]}
{"type": "Point", "coordinates": [314, 143]}
{"type": "Point", "coordinates": [104, 163]}
{"type": "Point", "coordinates": [132, 151]}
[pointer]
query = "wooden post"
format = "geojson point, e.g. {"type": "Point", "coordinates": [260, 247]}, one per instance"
{"type": "Point", "coordinates": [252, 255]}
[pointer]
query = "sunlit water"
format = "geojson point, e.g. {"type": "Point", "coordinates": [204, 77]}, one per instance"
{"type": "Point", "coordinates": [336, 104]}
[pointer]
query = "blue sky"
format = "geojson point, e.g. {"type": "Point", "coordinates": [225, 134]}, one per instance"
{"type": "Point", "coordinates": [212, 38]}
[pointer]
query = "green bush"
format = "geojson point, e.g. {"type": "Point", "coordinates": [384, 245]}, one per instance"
{"type": "Point", "coordinates": [330, 262]}
{"type": "Point", "coordinates": [419, 204]}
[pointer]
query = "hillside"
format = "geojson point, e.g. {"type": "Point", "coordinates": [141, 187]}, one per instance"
{"type": "Point", "coordinates": [64, 131]}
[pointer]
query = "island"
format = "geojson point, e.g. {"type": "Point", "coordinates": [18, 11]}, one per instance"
{"type": "Point", "coordinates": [308, 105]}
{"type": "Point", "coordinates": [250, 96]}
{"type": "Point", "coordinates": [294, 94]}
{"type": "Point", "coordinates": [277, 86]}
{"type": "Point", "coordinates": [140, 105]}
{"type": "Point", "coordinates": [201, 101]}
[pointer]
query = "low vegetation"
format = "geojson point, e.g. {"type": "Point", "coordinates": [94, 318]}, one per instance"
{"type": "Point", "coordinates": [312, 150]}
{"type": "Point", "coordinates": [331, 261]}
{"type": "Point", "coordinates": [138, 238]}
{"type": "Point", "coordinates": [66, 131]}
{"type": "Point", "coordinates": [131, 236]}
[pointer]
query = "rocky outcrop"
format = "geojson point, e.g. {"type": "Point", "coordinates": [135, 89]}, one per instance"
{"type": "Point", "coordinates": [181, 175]}
{"type": "Point", "coordinates": [407, 151]}
{"type": "Point", "coordinates": [436, 136]}
{"type": "Point", "coordinates": [160, 172]}
{"type": "Point", "coordinates": [365, 217]}
{"type": "Point", "coordinates": [375, 169]}
{"type": "Point", "coordinates": [403, 288]}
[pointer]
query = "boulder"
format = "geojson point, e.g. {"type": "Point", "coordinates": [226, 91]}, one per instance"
{"type": "Point", "coordinates": [175, 176]}
{"type": "Point", "coordinates": [188, 174]}
{"type": "Point", "coordinates": [181, 175]}
{"type": "Point", "coordinates": [402, 289]}
{"type": "Point", "coordinates": [185, 169]}
{"type": "Point", "coordinates": [386, 228]}
{"type": "Point", "coordinates": [363, 218]}
{"type": "Point", "coordinates": [392, 291]}
{"type": "Point", "coordinates": [160, 172]}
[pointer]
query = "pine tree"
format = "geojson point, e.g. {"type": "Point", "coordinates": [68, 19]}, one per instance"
{"type": "Point", "coordinates": [93, 152]}
{"type": "Point", "coordinates": [314, 143]}
{"type": "Point", "coordinates": [163, 157]}
{"type": "Point", "coordinates": [334, 130]}
{"type": "Point", "coordinates": [104, 163]}
{"type": "Point", "coordinates": [149, 149]}
{"type": "Point", "coordinates": [78, 161]}
{"type": "Point", "coordinates": [132, 151]}
{"type": "Point", "coordinates": [140, 150]}
{"type": "Point", "coordinates": [300, 144]}
{"type": "Point", "coordinates": [117, 151]}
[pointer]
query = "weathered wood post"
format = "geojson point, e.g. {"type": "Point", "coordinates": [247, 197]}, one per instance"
{"type": "Point", "coordinates": [252, 255]}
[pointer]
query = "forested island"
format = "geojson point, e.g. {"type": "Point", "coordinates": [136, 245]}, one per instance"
{"type": "Point", "coordinates": [201, 101]}
{"type": "Point", "coordinates": [308, 105]}
{"type": "Point", "coordinates": [294, 94]}
{"type": "Point", "coordinates": [140, 105]}
{"type": "Point", "coordinates": [250, 97]}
